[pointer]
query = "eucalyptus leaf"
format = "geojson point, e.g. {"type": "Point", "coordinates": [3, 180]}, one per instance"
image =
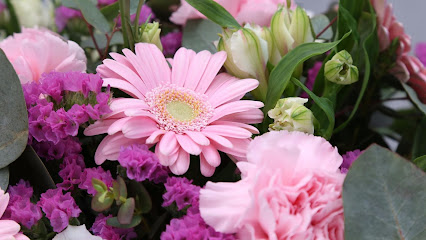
{"type": "Point", "coordinates": [419, 146]}
{"type": "Point", "coordinates": [14, 117]}
{"type": "Point", "coordinates": [73, 4]}
{"type": "Point", "coordinates": [125, 213]}
{"type": "Point", "coordinates": [93, 15]}
{"type": "Point", "coordinates": [215, 12]}
{"type": "Point", "coordinates": [384, 197]}
{"type": "Point", "coordinates": [4, 178]}
{"type": "Point", "coordinates": [319, 22]}
{"type": "Point", "coordinates": [101, 40]}
{"type": "Point", "coordinates": [136, 220]}
{"type": "Point", "coordinates": [199, 35]}
{"type": "Point", "coordinates": [102, 201]}
{"type": "Point", "coordinates": [142, 197]}
{"type": "Point", "coordinates": [282, 73]}
{"type": "Point", "coordinates": [421, 162]}
{"type": "Point", "coordinates": [413, 96]}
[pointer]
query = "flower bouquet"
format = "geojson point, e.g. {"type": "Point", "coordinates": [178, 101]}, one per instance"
{"type": "Point", "coordinates": [202, 119]}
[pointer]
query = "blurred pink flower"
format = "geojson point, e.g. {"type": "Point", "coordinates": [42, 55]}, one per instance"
{"type": "Point", "coordinates": [421, 52]}
{"type": "Point", "coordinates": [244, 11]}
{"type": "Point", "coordinates": [186, 109]}
{"type": "Point", "coordinates": [37, 51]}
{"type": "Point", "coordinates": [9, 229]}
{"type": "Point", "coordinates": [290, 189]}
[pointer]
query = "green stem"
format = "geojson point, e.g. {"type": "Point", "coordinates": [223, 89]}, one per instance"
{"type": "Point", "coordinates": [127, 25]}
{"type": "Point", "coordinates": [123, 21]}
{"type": "Point", "coordinates": [138, 13]}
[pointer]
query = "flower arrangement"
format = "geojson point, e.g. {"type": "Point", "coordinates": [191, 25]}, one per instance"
{"type": "Point", "coordinates": [210, 119]}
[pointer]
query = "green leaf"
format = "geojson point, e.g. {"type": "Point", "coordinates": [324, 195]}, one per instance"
{"type": "Point", "coordinates": [122, 189]}
{"type": "Point", "coordinates": [102, 41]}
{"type": "Point", "coordinates": [4, 178]}
{"type": "Point", "coordinates": [73, 4]}
{"type": "Point", "coordinates": [421, 162]}
{"type": "Point", "coordinates": [93, 15]}
{"type": "Point", "coordinates": [413, 96]}
{"type": "Point", "coordinates": [326, 108]}
{"type": "Point", "coordinates": [111, 11]}
{"type": "Point", "coordinates": [384, 197]}
{"type": "Point", "coordinates": [99, 185]}
{"type": "Point", "coordinates": [13, 117]}
{"type": "Point", "coordinates": [142, 197]}
{"type": "Point", "coordinates": [136, 220]}
{"type": "Point", "coordinates": [102, 201]}
{"type": "Point", "coordinates": [419, 146]}
{"type": "Point", "coordinates": [30, 168]}
{"type": "Point", "coordinates": [215, 12]}
{"type": "Point", "coordinates": [319, 22]}
{"type": "Point", "coordinates": [125, 213]}
{"type": "Point", "coordinates": [199, 35]}
{"type": "Point", "coordinates": [13, 26]}
{"type": "Point", "coordinates": [282, 73]}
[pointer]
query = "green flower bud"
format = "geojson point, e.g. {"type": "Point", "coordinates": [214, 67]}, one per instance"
{"type": "Point", "coordinates": [247, 56]}
{"type": "Point", "coordinates": [290, 28]}
{"type": "Point", "coordinates": [340, 69]}
{"type": "Point", "coordinates": [290, 114]}
{"type": "Point", "coordinates": [151, 34]}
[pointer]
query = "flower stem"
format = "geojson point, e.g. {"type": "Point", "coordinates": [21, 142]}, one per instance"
{"type": "Point", "coordinates": [327, 27]}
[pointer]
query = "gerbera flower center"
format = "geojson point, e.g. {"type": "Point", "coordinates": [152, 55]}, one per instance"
{"type": "Point", "coordinates": [179, 109]}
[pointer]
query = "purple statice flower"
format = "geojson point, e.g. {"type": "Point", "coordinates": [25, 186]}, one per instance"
{"type": "Point", "coordinates": [142, 164]}
{"type": "Point", "coordinates": [98, 173]}
{"type": "Point", "coordinates": [20, 208]}
{"type": "Point", "coordinates": [58, 207]}
{"type": "Point", "coordinates": [32, 92]}
{"type": "Point", "coordinates": [171, 42]}
{"type": "Point", "coordinates": [101, 229]}
{"type": "Point", "coordinates": [65, 147]}
{"type": "Point", "coordinates": [348, 159]}
{"type": "Point", "coordinates": [192, 227]}
{"type": "Point", "coordinates": [182, 192]}
{"type": "Point", "coordinates": [421, 52]}
{"type": "Point", "coordinates": [71, 171]}
{"type": "Point", "coordinates": [106, 2]}
{"type": "Point", "coordinates": [63, 15]}
{"type": "Point", "coordinates": [310, 80]}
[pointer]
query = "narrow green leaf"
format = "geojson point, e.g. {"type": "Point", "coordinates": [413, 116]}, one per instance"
{"type": "Point", "coordinates": [125, 213]}
{"type": "Point", "coordinates": [419, 146]}
{"type": "Point", "coordinates": [136, 220]}
{"type": "Point", "coordinates": [421, 162]}
{"type": "Point", "coordinates": [13, 26]}
{"type": "Point", "coordinates": [93, 15]}
{"type": "Point", "coordinates": [13, 117]}
{"type": "Point", "coordinates": [326, 107]}
{"type": "Point", "coordinates": [281, 74]}
{"type": "Point", "coordinates": [199, 35]}
{"type": "Point", "coordinates": [384, 197]}
{"type": "Point", "coordinates": [215, 12]}
{"type": "Point", "coordinates": [413, 96]}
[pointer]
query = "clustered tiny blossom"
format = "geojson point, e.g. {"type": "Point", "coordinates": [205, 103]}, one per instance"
{"type": "Point", "coordinates": [98, 173]}
{"type": "Point", "coordinates": [101, 229]}
{"type": "Point", "coordinates": [348, 159]}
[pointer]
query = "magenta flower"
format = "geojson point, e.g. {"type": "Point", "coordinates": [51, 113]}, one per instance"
{"type": "Point", "coordinates": [98, 173]}
{"type": "Point", "coordinates": [181, 192]}
{"type": "Point", "coordinates": [171, 42]}
{"type": "Point", "coordinates": [291, 188]}
{"type": "Point", "coordinates": [348, 159]}
{"type": "Point", "coordinates": [9, 229]}
{"type": "Point", "coordinates": [310, 80]}
{"type": "Point", "coordinates": [184, 110]}
{"type": "Point", "coordinates": [63, 15]}
{"type": "Point", "coordinates": [100, 228]}
{"type": "Point", "coordinates": [421, 52]}
{"type": "Point", "coordinates": [142, 164]}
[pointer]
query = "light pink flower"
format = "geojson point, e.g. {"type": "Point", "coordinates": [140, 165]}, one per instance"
{"type": "Point", "coordinates": [185, 109]}
{"type": "Point", "coordinates": [37, 51]}
{"type": "Point", "coordinates": [244, 11]}
{"type": "Point", "coordinates": [290, 189]}
{"type": "Point", "coordinates": [9, 229]}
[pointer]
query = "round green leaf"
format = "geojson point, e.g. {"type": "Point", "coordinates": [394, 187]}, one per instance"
{"type": "Point", "coordinates": [384, 197]}
{"type": "Point", "coordinates": [14, 117]}
{"type": "Point", "coordinates": [199, 35]}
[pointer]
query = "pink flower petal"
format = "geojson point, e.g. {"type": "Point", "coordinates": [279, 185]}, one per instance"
{"type": "Point", "coordinates": [139, 127]}
{"type": "Point", "coordinates": [152, 59]}
{"type": "Point", "coordinates": [211, 155]}
{"type": "Point", "coordinates": [198, 138]}
{"type": "Point", "coordinates": [188, 145]}
{"type": "Point", "coordinates": [198, 66]}
{"type": "Point", "coordinates": [206, 169]}
{"type": "Point", "coordinates": [235, 107]}
{"type": "Point", "coordinates": [182, 163]}
{"type": "Point", "coordinates": [168, 144]}
{"type": "Point", "coordinates": [181, 64]}
{"type": "Point", "coordinates": [231, 90]}
{"type": "Point", "coordinates": [228, 131]}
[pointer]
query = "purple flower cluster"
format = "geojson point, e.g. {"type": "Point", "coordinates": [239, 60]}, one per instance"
{"type": "Point", "coordinates": [20, 208]}
{"type": "Point", "coordinates": [348, 159]}
{"type": "Point", "coordinates": [182, 192]}
{"type": "Point", "coordinates": [421, 52]}
{"type": "Point", "coordinates": [310, 80]}
{"type": "Point", "coordinates": [142, 164]}
{"type": "Point", "coordinates": [101, 229]}
{"type": "Point", "coordinates": [63, 15]}
{"type": "Point", "coordinates": [58, 207]}
{"type": "Point", "coordinates": [57, 105]}
{"type": "Point", "coordinates": [192, 227]}
{"type": "Point", "coordinates": [90, 173]}
{"type": "Point", "coordinates": [171, 42]}
{"type": "Point", "coordinates": [71, 170]}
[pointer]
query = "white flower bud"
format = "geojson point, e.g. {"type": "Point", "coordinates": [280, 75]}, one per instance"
{"type": "Point", "coordinates": [340, 69]}
{"type": "Point", "coordinates": [32, 13]}
{"type": "Point", "coordinates": [151, 34]}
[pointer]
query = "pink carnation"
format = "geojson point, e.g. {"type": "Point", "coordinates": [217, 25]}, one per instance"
{"type": "Point", "coordinates": [37, 51]}
{"type": "Point", "coordinates": [259, 12]}
{"type": "Point", "coordinates": [186, 109]}
{"type": "Point", "coordinates": [290, 189]}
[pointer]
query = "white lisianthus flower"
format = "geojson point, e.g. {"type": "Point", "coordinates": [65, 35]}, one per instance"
{"type": "Point", "coordinates": [31, 13]}
{"type": "Point", "coordinates": [76, 233]}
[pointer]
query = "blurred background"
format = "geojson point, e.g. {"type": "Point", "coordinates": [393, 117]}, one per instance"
{"type": "Point", "coordinates": [409, 13]}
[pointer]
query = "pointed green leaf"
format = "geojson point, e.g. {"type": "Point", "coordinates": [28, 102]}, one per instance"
{"type": "Point", "coordinates": [215, 12]}
{"type": "Point", "coordinates": [199, 35]}
{"type": "Point", "coordinates": [384, 197]}
{"type": "Point", "coordinates": [13, 117]}
{"type": "Point", "coordinates": [93, 15]}
{"type": "Point", "coordinates": [125, 213]}
{"type": "Point", "coordinates": [101, 202]}
{"type": "Point", "coordinates": [419, 146]}
{"type": "Point", "coordinates": [136, 220]}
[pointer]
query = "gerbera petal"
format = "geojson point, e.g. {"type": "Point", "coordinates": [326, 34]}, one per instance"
{"type": "Point", "coordinates": [250, 128]}
{"type": "Point", "coordinates": [155, 136]}
{"type": "Point", "coordinates": [213, 67]}
{"type": "Point", "coordinates": [206, 169]}
{"type": "Point", "coordinates": [235, 107]}
{"type": "Point", "coordinates": [180, 67]}
{"type": "Point", "coordinates": [164, 159]}
{"type": "Point", "coordinates": [238, 149]}
{"type": "Point", "coordinates": [188, 145]}
{"type": "Point", "coordinates": [251, 116]}
{"type": "Point", "coordinates": [198, 138]}
{"type": "Point", "coordinates": [211, 155]}
{"type": "Point", "coordinates": [123, 86]}
{"type": "Point", "coordinates": [109, 148]}
{"type": "Point", "coordinates": [122, 104]}
{"type": "Point", "coordinates": [182, 163]}
{"type": "Point", "coordinates": [198, 66]}
{"type": "Point", "coordinates": [99, 127]}
{"type": "Point", "coordinates": [153, 60]}
{"type": "Point", "coordinates": [139, 127]}
{"type": "Point", "coordinates": [228, 131]}
{"type": "Point", "coordinates": [168, 143]}
{"type": "Point", "coordinates": [9, 227]}
{"type": "Point", "coordinates": [117, 125]}
{"type": "Point", "coordinates": [218, 139]}
{"type": "Point", "coordinates": [231, 92]}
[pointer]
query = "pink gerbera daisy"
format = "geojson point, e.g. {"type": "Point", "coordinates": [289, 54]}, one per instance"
{"type": "Point", "coordinates": [184, 109]}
